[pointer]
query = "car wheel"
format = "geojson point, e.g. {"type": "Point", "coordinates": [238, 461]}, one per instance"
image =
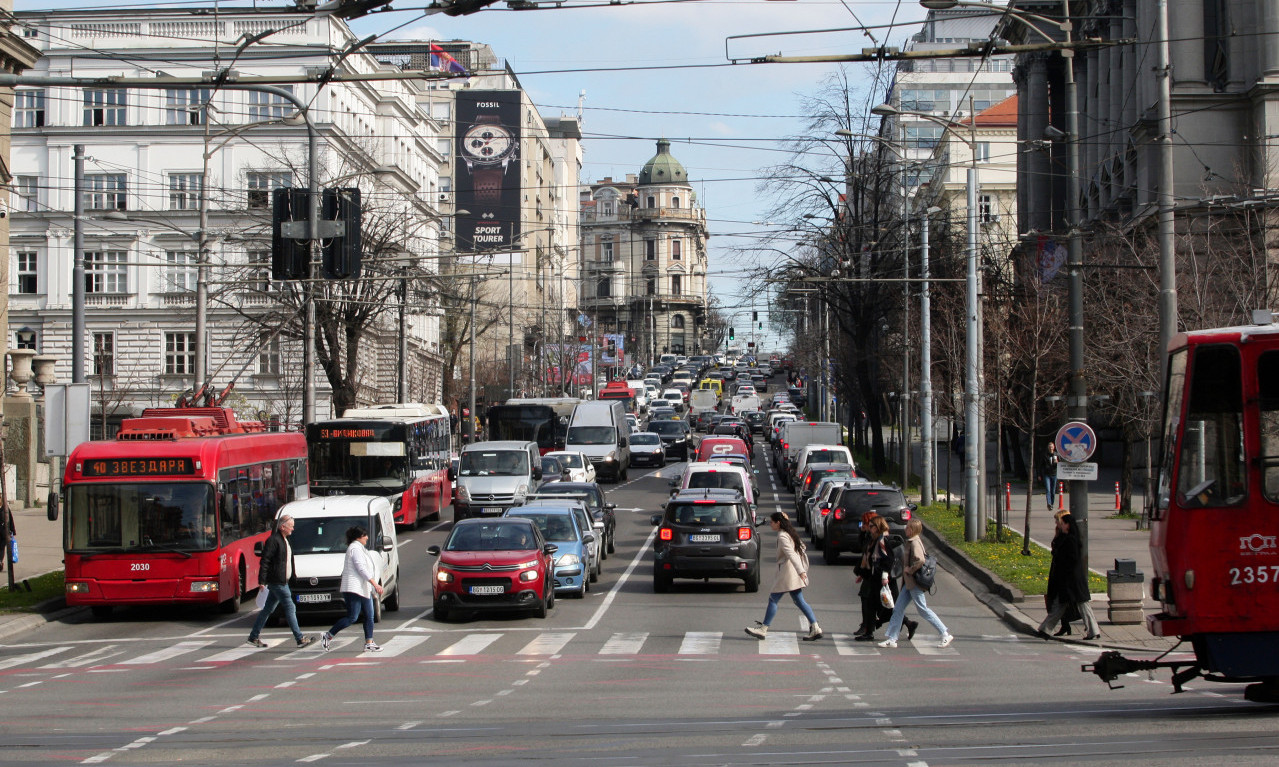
{"type": "Point", "coordinates": [662, 463]}
{"type": "Point", "coordinates": [441, 612]}
{"type": "Point", "coordinates": [393, 601]}
{"type": "Point", "coordinates": [626, 473]}
{"type": "Point", "coordinates": [542, 606]}
{"type": "Point", "coordinates": [830, 554]}
{"type": "Point", "coordinates": [611, 547]}
{"type": "Point", "coordinates": [661, 584]}
{"type": "Point", "coordinates": [585, 587]}
{"type": "Point", "coordinates": [232, 605]}
{"type": "Point", "coordinates": [550, 595]}
{"type": "Point", "coordinates": [752, 582]}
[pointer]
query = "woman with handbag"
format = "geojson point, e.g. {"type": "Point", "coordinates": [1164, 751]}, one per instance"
{"type": "Point", "coordinates": [791, 578]}
{"type": "Point", "coordinates": [879, 559]}
{"type": "Point", "coordinates": [915, 557]}
{"type": "Point", "coordinates": [1054, 585]}
{"type": "Point", "coordinates": [1067, 581]}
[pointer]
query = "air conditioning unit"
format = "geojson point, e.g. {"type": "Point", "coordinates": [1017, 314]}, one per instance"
{"type": "Point", "coordinates": [446, 197]}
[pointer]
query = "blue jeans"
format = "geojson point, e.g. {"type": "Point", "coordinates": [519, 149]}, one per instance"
{"type": "Point", "coordinates": [355, 604]}
{"type": "Point", "coordinates": [277, 594]}
{"type": "Point", "coordinates": [899, 612]}
{"type": "Point", "coordinates": [1050, 486]}
{"type": "Point", "coordinates": [797, 596]}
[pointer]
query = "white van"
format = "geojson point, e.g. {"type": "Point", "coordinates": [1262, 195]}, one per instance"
{"type": "Point", "coordinates": [641, 395]}
{"type": "Point", "coordinates": [599, 430]}
{"type": "Point", "coordinates": [491, 477]}
{"type": "Point", "coordinates": [797, 435]}
{"type": "Point", "coordinates": [819, 453]}
{"type": "Point", "coordinates": [319, 550]}
{"type": "Point", "coordinates": [702, 400]}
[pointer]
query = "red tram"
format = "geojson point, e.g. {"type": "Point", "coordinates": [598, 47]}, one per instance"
{"type": "Point", "coordinates": [1215, 526]}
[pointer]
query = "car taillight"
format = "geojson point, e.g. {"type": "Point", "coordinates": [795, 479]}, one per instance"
{"type": "Point", "coordinates": [743, 533]}
{"type": "Point", "coordinates": [785, 445]}
{"type": "Point", "coordinates": [825, 511]}
{"type": "Point", "coordinates": [839, 513]}
{"type": "Point", "coordinates": [905, 515]}
{"type": "Point", "coordinates": [665, 534]}
{"type": "Point", "coordinates": [808, 481]}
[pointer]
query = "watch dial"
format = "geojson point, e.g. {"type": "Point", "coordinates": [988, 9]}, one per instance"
{"type": "Point", "coordinates": [487, 142]}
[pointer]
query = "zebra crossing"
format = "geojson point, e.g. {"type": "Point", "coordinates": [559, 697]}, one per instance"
{"type": "Point", "coordinates": [212, 653]}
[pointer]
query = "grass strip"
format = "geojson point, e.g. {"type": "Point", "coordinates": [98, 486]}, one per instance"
{"type": "Point", "coordinates": [43, 588]}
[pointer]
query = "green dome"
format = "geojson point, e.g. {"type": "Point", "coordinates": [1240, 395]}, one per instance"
{"type": "Point", "coordinates": [663, 168]}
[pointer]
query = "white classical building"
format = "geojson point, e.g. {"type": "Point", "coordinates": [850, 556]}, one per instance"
{"type": "Point", "coordinates": [158, 160]}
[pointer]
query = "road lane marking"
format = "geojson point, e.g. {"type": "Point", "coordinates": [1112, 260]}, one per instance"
{"type": "Point", "coordinates": [701, 642]}
{"type": "Point", "coordinates": [166, 653]}
{"type": "Point", "coordinates": [88, 658]}
{"type": "Point", "coordinates": [471, 644]}
{"type": "Point", "coordinates": [780, 643]}
{"type": "Point", "coordinates": [396, 646]}
{"type": "Point", "coordinates": [548, 643]}
{"type": "Point", "coordinates": [31, 658]}
{"type": "Point", "coordinates": [624, 644]}
{"type": "Point", "coordinates": [617, 587]}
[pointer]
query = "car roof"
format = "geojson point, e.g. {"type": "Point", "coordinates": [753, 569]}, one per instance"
{"type": "Point", "coordinates": [718, 494]}
{"type": "Point", "coordinates": [333, 506]}
{"type": "Point", "coordinates": [509, 444]}
{"type": "Point", "coordinates": [545, 506]}
{"type": "Point", "coordinates": [489, 521]}
{"type": "Point", "coordinates": [829, 466]}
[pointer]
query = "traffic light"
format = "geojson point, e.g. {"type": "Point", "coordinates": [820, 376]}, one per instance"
{"type": "Point", "coordinates": [731, 334]}
{"type": "Point", "coordinates": [289, 257]}
{"type": "Point", "coordinates": [342, 254]}
{"type": "Point", "coordinates": [755, 316]}
{"type": "Point", "coordinates": [612, 348]}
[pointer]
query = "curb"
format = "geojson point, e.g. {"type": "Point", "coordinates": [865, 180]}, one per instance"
{"type": "Point", "coordinates": [20, 622]}
{"type": "Point", "coordinates": [993, 583]}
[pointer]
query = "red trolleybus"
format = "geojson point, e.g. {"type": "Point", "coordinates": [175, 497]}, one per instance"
{"type": "Point", "coordinates": [1215, 520]}
{"type": "Point", "coordinates": [169, 511]}
{"type": "Point", "coordinates": [398, 451]}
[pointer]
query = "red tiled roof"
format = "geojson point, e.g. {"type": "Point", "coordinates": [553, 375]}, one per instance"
{"type": "Point", "coordinates": [1003, 114]}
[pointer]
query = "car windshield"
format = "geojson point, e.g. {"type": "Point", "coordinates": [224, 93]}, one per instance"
{"type": "Point", "coordinates": [592, 435]}
{"type": "Point", "coordinates": [726, 479]}
{"type": "Point", "coordinates": [323, 535]}
{"type": "Point", "coordinates": [492, 536]}
{"type": "Point", "coordinates": [646, 439]}
{"type": "Point", "coordinates": [570, 460]}
{"type": "Point", "coordinates": [556, 528]}
{"type": "Point", "coordinates": [551, 465]}
{"type": "Point", "coordinates": [666, 427]}
{"type": "Point", "coordinates": [827, 456]}
{"type": "Point", "coordinates": [489, 463]}
{"type": "Point", "coordinates": [702, 514]}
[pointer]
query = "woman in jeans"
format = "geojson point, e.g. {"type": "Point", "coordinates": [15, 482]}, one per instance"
{"type": "Point", "coordinates": [913, 550]}
{"type": "Point", "coordinates": [359, 579]}
{"type": "Point", "coordinates": [876, 569]}
{"type": "Point", "coordinates": [791, 578]}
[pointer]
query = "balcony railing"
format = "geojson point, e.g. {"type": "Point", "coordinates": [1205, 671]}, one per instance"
{"type": "Point", "coordinates": [107, 299]}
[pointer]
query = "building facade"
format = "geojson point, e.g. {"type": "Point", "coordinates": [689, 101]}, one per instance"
{"type": "Point", "coordinates": [644, 260]}
{"type": "Point", "coordinates": [177, 188]}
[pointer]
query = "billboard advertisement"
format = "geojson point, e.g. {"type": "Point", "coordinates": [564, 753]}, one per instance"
{"type": "Point", "coordinates": [487, 169]}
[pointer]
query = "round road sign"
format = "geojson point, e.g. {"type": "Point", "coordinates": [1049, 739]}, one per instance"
{"type": "Point", "coordinates": [1076, 442]}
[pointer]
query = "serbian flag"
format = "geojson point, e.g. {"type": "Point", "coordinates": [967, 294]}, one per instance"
{"type": "Point", "coordinates": [441, 60]}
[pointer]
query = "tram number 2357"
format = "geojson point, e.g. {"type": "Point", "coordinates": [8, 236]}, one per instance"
{"type": "Point", "coordinates": [1242, 576]}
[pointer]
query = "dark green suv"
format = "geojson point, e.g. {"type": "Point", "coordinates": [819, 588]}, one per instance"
{"type": "Point", "coordinates": [706, 533]}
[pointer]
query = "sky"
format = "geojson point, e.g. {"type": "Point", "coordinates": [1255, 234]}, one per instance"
{"type": "Point", "coordinates": [660, 69]}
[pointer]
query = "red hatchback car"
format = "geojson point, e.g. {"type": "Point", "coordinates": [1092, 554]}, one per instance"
{"type": "Point", "coordinates": [493, 564]}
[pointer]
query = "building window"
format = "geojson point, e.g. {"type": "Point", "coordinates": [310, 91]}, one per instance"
{"type": "Point", "coordinates": [923, 136]}
{"type": "Point", "coordinates": [27, 283]}
{"type": "Point", "coordinates": [26, 193]}
{"type": "Point", "coordinates": [107, 191]}
{"type": "Point", "coordinates": [179, 354]}
{"type": "Point", "coordinates": [105, 271]}
{"type": "Point", "coordinates": [606, 251]}
{"type": "Point", "coordinates": [104, 106]}
{"type": "Point", "coordinates": [260, 261]}
{"type": "Point", "coordinates": [25, 339]}
{"type": "Point", "coordinates": [677, 343]}
{"type": "Point", "coordinates": [650, 250]}
{"type": "Point", "coordinates": [650, 286]}
{"type": "Point", "coordinates": [185, 190]}
{"type": "Point", "coordinates": [674, 202]}
{"type": "Point", "coordinates": [28, 108]}
{"type": "Point", "coordinates": [269, 356]}
{"type": "Point", "coordinates": [180, 271]}
{"type": "Point", "coordinates": [186, 106]}
{"type": "Point", "coordinates": [675, 250]}
{"type": "Point", "coordinates": [260, 184]}
{"type": "Point", "coordinates": [986, 209]}
{"type": "Point", "coordinates": [652, 201]}
{"type": "Point", "coordinates": [104, 354]}
{"type": "Point", "coordinates": [604, 288]}
{"type": "Point", "coordinates": [676, 281]}
{"type": "Point", "coordinates": [606, 207]}
{"type": "Point", "coordinates": [269, 106]}
{"type": "Point", "coordinates": [678, 321]}
{"type": "Point", "coordinates": [982, 152]}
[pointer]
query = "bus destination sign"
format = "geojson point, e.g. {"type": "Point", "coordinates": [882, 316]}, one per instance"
{"type": "Point", "coordinates": [139, 467]}
{"type": "Point", "coordinates": [347, 433]}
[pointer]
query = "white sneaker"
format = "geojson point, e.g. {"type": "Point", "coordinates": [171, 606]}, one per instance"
{"type": "Point", "coordinates": [889, 643]}
{"type": "Point", "coordinates": [946, 640]}
{"type": "Point", "coordinates": [325, 639]}
{"type": "Point", "coordinates": [372, 647]}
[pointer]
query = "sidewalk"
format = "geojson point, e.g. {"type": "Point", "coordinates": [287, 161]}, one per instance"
{"type": "Point", "coordinates": [1108, 540]}
{"type": "Point", "coordinates": [39, 552]}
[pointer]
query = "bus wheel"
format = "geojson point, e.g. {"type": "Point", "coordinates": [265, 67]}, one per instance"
{"type": "Point", "coordinates": [232, 605]}
{"type": "Point", "coordinates": [101, 612]}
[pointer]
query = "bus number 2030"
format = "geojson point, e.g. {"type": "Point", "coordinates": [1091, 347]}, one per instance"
{"type": "Point", "coordinates": [1241, 576]}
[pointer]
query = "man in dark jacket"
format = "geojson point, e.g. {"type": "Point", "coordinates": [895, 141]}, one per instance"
{"type": "Point", "coordinates": [276, 565]}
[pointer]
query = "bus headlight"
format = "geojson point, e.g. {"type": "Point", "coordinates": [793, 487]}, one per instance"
{"type": "Point", "coordinates": [203, 587]}
{"type": "Point", "coordinates": [77, 588]}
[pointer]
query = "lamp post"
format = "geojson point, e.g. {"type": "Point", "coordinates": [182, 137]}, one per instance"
{"type": "Point", "coordinates": [927, 488]}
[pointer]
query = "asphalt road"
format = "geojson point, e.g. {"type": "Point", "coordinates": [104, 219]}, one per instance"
{"type": "Point", "coordinates": [624, 677]}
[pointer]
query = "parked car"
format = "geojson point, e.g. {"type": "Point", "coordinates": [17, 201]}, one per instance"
{"type": "Point", "coordinates": [493, 564]}
{"type": "Point", "coordinates": [842, 524]}
{"type": "Point", "coordinates": [647, 449]}
{"type": "Point", "coordinates": [575, 565]}
{"type": "Point", "coordinates": [706, 534]}
{"type": "Point", "coordinates": [580, 468]}
{"type": "Point", "coordinates": [603, 512]}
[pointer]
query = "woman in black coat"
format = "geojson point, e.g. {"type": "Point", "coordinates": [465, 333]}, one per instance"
{"type": "Point", "coordinates": [1067, 581]}
{"type": "Point", "coordinates": [875, 566]}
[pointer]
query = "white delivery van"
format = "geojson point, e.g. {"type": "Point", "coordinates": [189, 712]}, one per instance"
{"type": "Point", "coordinates": [319, 550]}
{"type": "Point", "coordinates": [599, 430]}
{"type": "Point", "coordinates": [702, 400]}
{"type": "Point", "coordinates": [491, 477]}
{"type": "Point", "coordinates": [797, 435]}
{"type": "Point", "coordinates": [744, 401]}
{"type": "Point", "coordinates": [641, 395]}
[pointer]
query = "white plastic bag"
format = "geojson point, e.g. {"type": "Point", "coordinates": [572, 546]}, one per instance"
{"type": "Point", "coordinates": [260, 601]}
{"type": "Point", "coordinates": [886, 596]}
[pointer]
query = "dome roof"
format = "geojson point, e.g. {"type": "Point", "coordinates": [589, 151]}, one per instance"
{"type": "Point", "coordinates": [663, 168]}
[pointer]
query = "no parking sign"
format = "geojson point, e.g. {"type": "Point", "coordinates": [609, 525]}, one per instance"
{"type": "Point", "coordinates": [1076, 442]}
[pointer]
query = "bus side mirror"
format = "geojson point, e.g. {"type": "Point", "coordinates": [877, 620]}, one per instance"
{"type": "Point", "coordinates": [52, 505]}
{"type": "Point", "coordinates": [257, 549]}
{"type": "Point", "coordinates": [452, 474]}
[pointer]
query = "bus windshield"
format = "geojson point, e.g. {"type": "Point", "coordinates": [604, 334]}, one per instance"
{"type": "Point", "coordinates": [323, 535]}
{"type": "Point", "coordinates": [348, 463]}
{"type": "Point", "coordinates": [523, 423]}
{"type": "Point", "coordinates": [141, 516]}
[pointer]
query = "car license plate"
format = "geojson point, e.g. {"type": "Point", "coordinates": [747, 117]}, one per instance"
{"type": "Point", "coordinates": [498, 589]}
{"type": "Point", "coordinates": [703, 539]}
{"type": "Point", "coordinates": [491, 510]}
{"type": "Point", "coordinates": [312, 598]}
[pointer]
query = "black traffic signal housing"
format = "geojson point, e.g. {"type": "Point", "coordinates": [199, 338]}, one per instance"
{"type": "Point", "coordinates": [730, 334]}
{"type": "Point", "coordinates": [290, 258]}
{"type": "Point", "coordinates": [612, 348]}
{"type": "Point", "coordinates": [341, 256]}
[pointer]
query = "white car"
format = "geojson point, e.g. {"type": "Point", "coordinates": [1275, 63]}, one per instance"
{"type": "Point", "coordinates": [578, 465]}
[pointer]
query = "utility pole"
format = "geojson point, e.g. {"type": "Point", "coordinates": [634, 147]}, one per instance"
{"type": "Point", "coordinates": [77, 273]}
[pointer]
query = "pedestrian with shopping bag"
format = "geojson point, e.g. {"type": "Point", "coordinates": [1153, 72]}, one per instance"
{"type": "Point", "coordinates": [1067, 581]}
{"type": "Point", "coordinates": [791, 578]}
{"type": "Point", "coordinates": [879, 561]}
{"type": "Point", "coordinates": [916, 560]}
{"type": "Point", "coordinates": [276, 570]}
{"type": "Point", "coordinates": [359, 580]}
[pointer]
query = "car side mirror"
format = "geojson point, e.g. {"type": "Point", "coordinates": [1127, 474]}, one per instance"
{"type": "Point", "coordinates": [656, 519]}
{"type": "Point", "coordinates": [913, 506]}
{"type": "Point", "coordinates": [759, 521]}
{"type": "Point", "coordinates": [550, 548]}
{"type": "Point", "coordinates": [433, 550]}
{"type": "Point", "coordinates": [385, 543]}
{"type": "Point", "coordinates": [610, 506]}
{"type": "Point", "coordinates": [537, 473]}
{"type": "Point", "coordinates": [588, 538]}
{"type": "Point", "coordinates": [51, 506]}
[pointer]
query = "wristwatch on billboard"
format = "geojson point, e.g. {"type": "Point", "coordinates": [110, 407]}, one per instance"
{"type": "Point", "coordinates": [488, 148]}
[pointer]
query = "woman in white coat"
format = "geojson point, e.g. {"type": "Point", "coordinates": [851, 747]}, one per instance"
{"type": "Point", "coordinates": [359, 581]}
{"type": "Point", "coordinates": [791, 578]}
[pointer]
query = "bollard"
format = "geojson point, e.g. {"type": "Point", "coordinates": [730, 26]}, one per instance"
{"type": "Point", "coordinates": [1116, 496]}
{"type": "Point", "coordinates": [1008, 497]}
{"type": "Point", "coordinates": [1061, 492]}
{"type": "Point", "coordinates": [1125, 591]}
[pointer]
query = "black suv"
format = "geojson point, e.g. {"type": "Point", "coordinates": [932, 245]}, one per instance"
{"type": "Point", "coordinates": [676, 438]}
{"type": "Point", "coordinates": [593, 495]}
{"type": "Point", "coordinates": [843, 524]}
{"type": "Point", "coordinates": [706, 533]}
